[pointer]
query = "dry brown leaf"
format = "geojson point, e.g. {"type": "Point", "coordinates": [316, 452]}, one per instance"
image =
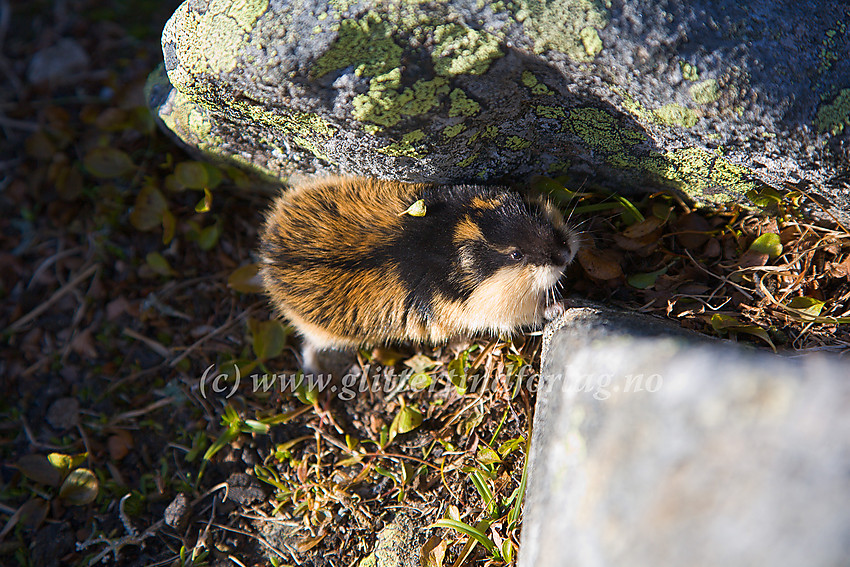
{"type": "Point", "coordinates": [83, 344]}
{"type": "Point", "coordinates": [599, 264]}
{"type": "Point", "coordinates": [692, 230]}
{"type": "Point", "coordinates": [119, 444]}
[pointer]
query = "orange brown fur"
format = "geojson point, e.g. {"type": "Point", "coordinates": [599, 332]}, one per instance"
{"type": "Point", "coordinates": [346, 270]}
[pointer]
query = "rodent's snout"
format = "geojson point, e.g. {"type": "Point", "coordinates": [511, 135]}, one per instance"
{"type": "Point", "coordinates": [569, 245]}
{"type": "Point", "coordinates": [562, 257]}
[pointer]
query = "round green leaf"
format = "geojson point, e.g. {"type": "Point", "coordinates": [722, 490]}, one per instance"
{"type": "Point", "coordinates": [107, 162]}
{"type": "Point", "coordinates": [80, 488]}
{"type": "Point", "coordinates": [159, 264]}
{"type": "Point", "coordinates": [246, 279]}
{"type": "Point", "coordinates": [487, 456]}
{"type": "Point", "coordinates": [645, 281]}
{"type": "Point", "coordinates": [192, 175]}
{"type": "Point", "coordinates": [147, 212]}
{"type": "Point", "coordinates": [39, 469]}
{"type": "Point", "coordinates": [269, 339]}
{"type": "Point", "coordinates": [407, 419]}
{"type": "Point", "coordinates": [768, 243]}
{"type": "Point", "coordinates": [808, 305]}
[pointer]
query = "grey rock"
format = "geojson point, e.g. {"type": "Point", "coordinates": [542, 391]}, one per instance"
{"type": "Point", "coordinates": [177, 513]}
{"type": "Point", "coordinates": [58, 65]}
{"type": "Point", "coordinates": [714, 98]}
{"type": "Point", "coordinates": [653, 449]}
{"type": "Point", "coordinates": [63, 413]}
{"type": "Point", "coordinates": [245, 489]}
{"type": "Point", "coordinates": [399, 544]}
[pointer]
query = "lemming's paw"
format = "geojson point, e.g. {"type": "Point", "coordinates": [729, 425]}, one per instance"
{"type": "Point", "coordinates": [553, 311]}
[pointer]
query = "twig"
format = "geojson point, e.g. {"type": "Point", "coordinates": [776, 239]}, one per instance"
{"type": "Point", "coordinates": [51, 260]}
{"type": "Point", "coordinates": [155, 346]}
{"type": "Point", "coordinates": [57, 295]}
{"type": "Point", "coordinates": [223, 327]}
{"type": "Point", "coordinates": [139, 412]}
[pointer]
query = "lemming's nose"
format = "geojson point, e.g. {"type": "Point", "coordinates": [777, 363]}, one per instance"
{"type": "Point", "coordinates": [561, 257]}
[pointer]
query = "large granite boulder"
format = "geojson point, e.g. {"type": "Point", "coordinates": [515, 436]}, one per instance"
{"type": "Point", "coordinates": [653, 448]}
{"type": "Point", "coordinates": [712, 97]}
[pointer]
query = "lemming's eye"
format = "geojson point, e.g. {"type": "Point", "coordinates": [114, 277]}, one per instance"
{"type": "Point", "coordinates": [516, 255]}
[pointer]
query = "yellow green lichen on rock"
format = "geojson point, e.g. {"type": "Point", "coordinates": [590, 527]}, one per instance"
{"type": "Point", "coordinates": [555, 112]}
{"type": "Point", "coordinates": [370, 46]}
{"type": "Point", "coordinates": [703, 175]}
{"type": "Point", "coordinates": [669, 114]}
{"type": "Point", "coordinates": [366, 43]}
{"type": "Point", "coordinates": [467, 161]}
{"type": "Point", "coordinates": [568, 26]}
{"type": "Point", "coordinates": [537, 88]}
{"type": "Point", "coordinates": [600, 131]}
{"type": "Point", "coordinates": [385, 106]}
{"type": "Point", "coordinates": [705, 92]}
{"type": "Point", "coordinates": [516, 143]}
{"type": "Point", "coordinates": [689, 72]}
{"type": "Point", "coordinates": [675, 115]}
{"type": "Point", "coordinates": [833, 117]}
{"type": "Point", "coordinates": [488, 133]}
{"type": "Point", "coordinates": [453, 130]}
{"type": "Point", "coordinates": [460, 50]}
{"type": "Point", "coordinates": [591, 41]}
{"type": "Point", "coordinates": [307, 129]}
{"type": "Point", "coordinates": [404, 148]}
{"type": "Point", "coordinates": [461, 105]}
{"type": "Point", "coordinates": [216, 36]}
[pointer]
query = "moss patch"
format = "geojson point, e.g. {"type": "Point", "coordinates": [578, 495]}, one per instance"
{"type": "Point", "coordinates": [676, 115]}
{"type": "Point", "coordinates": [460, 50]}
{"type": "Point", "coordinates": [561, 25]}
{"type": "Point", "coordinates": [835, 116]}
{"type": "Point", "coordinates": [698, 173]}
{"type": "Point", "coordinates": [536, 87]}
{"type": "Point", "coordinates": [366, 43]}
{"type": "Point", "coordinates": [461, 105]}
{"type": "Point", "coordinates": [705, 92]}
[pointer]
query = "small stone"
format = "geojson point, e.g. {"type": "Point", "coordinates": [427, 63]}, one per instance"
{"type": "Point", "coordinates": [58, 64]}
{"type": "Point", "coordinates": [244, 489]}
{"type": "Point", "coordinates": [62, 414]}
{"type": "Point", "coordinates": [177, 513]}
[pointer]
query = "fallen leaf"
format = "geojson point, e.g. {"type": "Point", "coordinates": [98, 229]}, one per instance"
{"type": "Point", "coordinates": [107, 162]}
{"type": "Point", "coordinates": [768, 243]}
{"type": "Point", "coordinates": [149, 208]}
{"type": "Point", "coordinates": [407, 419]}
{"type": "Point", "coordinates": [246, 279]}
{"type": "Point", "coordinates": [599, 264]}
{"type": "Point", "coordinates": [119, 444]}
{"type": "Point", "coordinates": [80, 488]}
{"type": "Point", "coordinates": [39, 469]}
{"type": "Point", "coordinates": [692, 230]}
{"type": "Point", "coordinates": [83, 344]}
